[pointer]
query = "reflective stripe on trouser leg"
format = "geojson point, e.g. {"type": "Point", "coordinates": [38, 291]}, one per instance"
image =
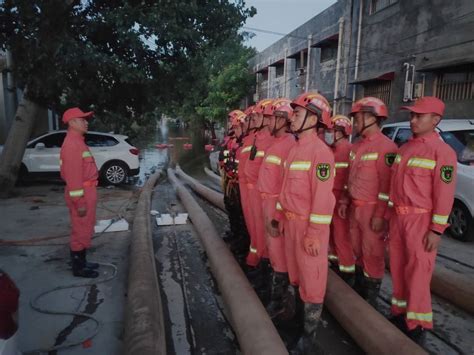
{"type": "Point", "coordinates": [342, 243]}
{"type": "Point", "coordinates": [373, 245]}
{"type": "Point", "coordinates": [418, 269]}
{"type": "Point", "coordinates": [82, 228]}
{"type": "Point", "coordinates": [312, 270]}
{"type": "Point", "coordinates": [275, 245]}
{"type": "Point", "coordinates": [397, 268]}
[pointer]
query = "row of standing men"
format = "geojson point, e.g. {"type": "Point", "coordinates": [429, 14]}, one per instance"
{"type": "Point", "coordinates": [306, 194]}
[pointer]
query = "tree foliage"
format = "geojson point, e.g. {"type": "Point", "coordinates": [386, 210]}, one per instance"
{"type": "Point", "coordinates": [122, 58]}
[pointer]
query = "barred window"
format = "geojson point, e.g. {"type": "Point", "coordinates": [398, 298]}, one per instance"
{"type": "Point", "coordinates": [455, 86]}
{"type": "Point", "coordinates": [279, 70]}
{"type": "Point", "coordinates": [381, 89]}
{"type": "Point", "coordinates": [377, 5]}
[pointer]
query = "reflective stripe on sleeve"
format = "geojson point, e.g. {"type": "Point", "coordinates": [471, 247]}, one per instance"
{"type": "Point", "coordinates": [320, 218]}
{"type": "Point", "coordinates": [341, 165]}
{"type": "Point", "coordinates": [260, 154]}
{"type": "Point", "coordinates": [253, 250]}
{"type": "Point", "coordinates": [369, 156]}
{"type": "Point", "coordinates": [247, 149]}
{"type": "Point", "coordinates": [76, 193]}
{"type": "Point", "coordinates": [383, 197]}
{"type": "Point", "coordinates": [440, 219]}
{"type": "Point", "coordinates": [416, 162]}
{"type": "Point", "coordinates": [273, 159]}
{"type": "Point", "coordinates": [278, 207]}
{"type": "Point", "coordinates": [300, 165]}
{"type": "Point", "coordinates": [86, 154]}
{"type": "Point", "coordinates": [333, 257]}
{"type": "Point", "coordinates": [390, 203]}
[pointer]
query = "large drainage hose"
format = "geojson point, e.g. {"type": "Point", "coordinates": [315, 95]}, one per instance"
{"type": "Point", "coordinates": [144, 324]}
{"type": "Point", "coordinates": [216, 198]}
{"type": "Point", "coordinates": [372, 332]}
{"type": "Point", "coordinates": [214, 177]}
{"type": "Point", "coordinates": [254, 329]}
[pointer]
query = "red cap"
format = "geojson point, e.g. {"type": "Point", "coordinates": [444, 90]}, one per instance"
{"type": "Point", "coordinates": [76, 112]}
{"type": "Point", "coordinates": [426, 104]}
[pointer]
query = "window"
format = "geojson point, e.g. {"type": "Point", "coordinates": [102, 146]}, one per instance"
{"type": "Point", "coordinates": [381, 89]}
{"type": "Point", "coordinates": [329, 51]}
{"type": "Point", "coordinates": [301, 59]}
{"type": "Point", "coordinates": [97, 140]}
{"type": "Point", "coordinates": [54, 140]}
{"type": "Point", "coordinates": [403, 135]}
{"type": "Point", "coordinates": [455, 86]}
{"type": "Point", "coordinates": [377, 5]}
{"type": "Point", "coordinates": [462, 143]}
{"type": "Point", "coordinates": [279, 70]}
{"type": "Point", "coordinates": [389, 131]}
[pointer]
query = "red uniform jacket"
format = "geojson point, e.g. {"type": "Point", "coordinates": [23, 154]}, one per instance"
{"type": "Point", "coordinates": [77, 167]}
{"type": "Point", "coordinates": [263, 140]}
{"type": "Point", "coordinates": [341, 156]}
{"type": "Point", "coordinates": [424, 176]}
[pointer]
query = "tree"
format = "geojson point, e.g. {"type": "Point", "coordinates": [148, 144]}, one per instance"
{"type": "Point", "coordinates": [119, 57]}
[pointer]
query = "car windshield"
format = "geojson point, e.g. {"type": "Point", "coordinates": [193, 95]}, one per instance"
{"type": "Point", "coordinates": [463, 144]}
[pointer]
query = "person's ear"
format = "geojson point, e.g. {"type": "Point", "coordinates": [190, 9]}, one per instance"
{"type": "Point", "coordinates": [436, 119]}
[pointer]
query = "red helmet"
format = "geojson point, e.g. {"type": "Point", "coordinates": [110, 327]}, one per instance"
{"type": "Point", "coordinates": [316, 104]}
{"type": "Point", "coordinates": [236, 117]}
{"type": "Point", "coordinates": [372, 105]}
{"type": "Point", "coordinates": [260, 106]}
{"type": "Point", "coordinates": [341, 121]}
{"type": "Point", "coordinates": [279, 107]}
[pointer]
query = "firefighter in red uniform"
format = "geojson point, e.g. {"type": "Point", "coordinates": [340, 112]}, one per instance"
{"type": "Point", "coordinates": [422, 191]}
{"type": "Point", "coordinates": [79, 171]}
{"type": "Point", "coordinates": [368, 187]}
{"type": "Point", "coordinates": [239, 242]}
{"type": "Point", "coordinates": [340, 243]}
{"type": "Point", "coordinates": [306, 204]}
{"type": "Point", "coordinates": [269, 184]}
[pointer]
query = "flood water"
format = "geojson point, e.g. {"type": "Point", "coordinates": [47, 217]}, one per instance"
{"type": "Point", "coordinates": [192, 161]}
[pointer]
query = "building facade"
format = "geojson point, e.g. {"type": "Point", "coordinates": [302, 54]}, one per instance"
{"type": "Point", "coordinates": [396, 50]}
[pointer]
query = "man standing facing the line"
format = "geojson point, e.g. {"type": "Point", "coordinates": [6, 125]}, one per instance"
{"type": "Point", "coordinates": [422, 191]}
{"type": "Point", "coordinates": [79, 171]}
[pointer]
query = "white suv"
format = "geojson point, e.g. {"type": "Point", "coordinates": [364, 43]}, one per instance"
{"type": "Point", "coordinates": [115, 157]}
{"type": "Point", "coordinates": [459, 134]}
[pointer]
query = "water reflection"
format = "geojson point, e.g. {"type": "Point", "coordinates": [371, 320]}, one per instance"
{"type": "Point", "coordinates": [192, 161]}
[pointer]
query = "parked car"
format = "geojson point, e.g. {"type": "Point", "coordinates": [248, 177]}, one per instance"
{"type": "Point", "coordinates": [115, 156]}
{"type": "Point", "coordinates": [459, 134]}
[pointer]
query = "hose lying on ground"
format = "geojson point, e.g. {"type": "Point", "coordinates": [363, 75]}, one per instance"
{"type": "Point", "coordinates": [254, 329]}
{"type": "Point", "coordinates": [214, 177]}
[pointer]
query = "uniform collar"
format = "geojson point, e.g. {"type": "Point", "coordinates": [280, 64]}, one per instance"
{"type": "Point", "coordinates": [75, 134]}
{"type": "Point", "coordinates": [428, 137]}
{"type": "Point", "coordinates": [310, 137]}
{"type": "Point", "coordinates": [373, 137]}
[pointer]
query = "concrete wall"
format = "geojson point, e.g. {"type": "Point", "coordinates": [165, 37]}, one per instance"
{"type": "Point", "coordinates": [430, 36]}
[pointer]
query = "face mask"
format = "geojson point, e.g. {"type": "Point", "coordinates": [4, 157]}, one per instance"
{"type": "Point", "coordinates": [329, 137]}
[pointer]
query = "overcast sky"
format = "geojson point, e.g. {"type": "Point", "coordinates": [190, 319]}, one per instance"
{"type": "Point", "coordinates": [281, 16]}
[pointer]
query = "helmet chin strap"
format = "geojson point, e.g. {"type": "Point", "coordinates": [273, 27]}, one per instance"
{"type": "Point", "coordinates": [275, 130]}
{"type": "Point", "coordinates": [364, 127]}
{"type": "Point", "coordinates": [301, 129]}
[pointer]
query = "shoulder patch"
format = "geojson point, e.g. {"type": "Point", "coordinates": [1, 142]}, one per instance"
{"type": "Point", "coordinates": [323, 171]}
{"type": "Point", "coordinates": [390, 158]}
{"type": "Point", "coordinates": [447, 173]}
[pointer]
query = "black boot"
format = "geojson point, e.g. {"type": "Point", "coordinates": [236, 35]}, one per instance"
{"type": "Point", "coordinates": [266, 284]}
{"type": "Point", "coordinates": [307, 344]}
{"type": "Point", "coordinates": [399, 322]}
{"type": "Point", "coordinates": [279, 289]}
{"type": "Point", "coordinates": [359, 281]}
{"type": "Point", "coordinates": [348, 277]}
{"type": "Point", "coordinates": [79, 268]}
{"type": "Point", "coordinates": [371, 290]}
{"type": "Point", "coordinates": [417, 335]}
{"type": "Point", "coordinates": [88, 265]}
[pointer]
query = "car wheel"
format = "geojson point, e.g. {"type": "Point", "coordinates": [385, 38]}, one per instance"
{"type": "Point", "coordinates": [114, 173]}
{"type": "Point", "coordinates": [461, 223]}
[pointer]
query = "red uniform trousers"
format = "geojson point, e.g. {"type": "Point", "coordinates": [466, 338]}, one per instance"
{"type": "Point", "coordinates": [309, 272]}
{"type": "Point", "coordinates": [368, 246]}
{"type": "Point", "coordinates": [340, 240]}
{"type": "Point", "coordinates": [254, 220]}
{"type": "Point", "coordinates": [82, 228]}
{"type": "Point", "coordinates": [411, 268]}
{"type": "Point", "coordinates": [275, 245]}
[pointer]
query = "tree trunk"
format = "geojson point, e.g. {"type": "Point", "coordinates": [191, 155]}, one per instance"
{"type": "Point", "coordinates": [15, 145]}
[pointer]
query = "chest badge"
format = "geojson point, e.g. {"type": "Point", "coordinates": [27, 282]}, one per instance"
{"type": "Point", "coordinates": [323, 171]}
